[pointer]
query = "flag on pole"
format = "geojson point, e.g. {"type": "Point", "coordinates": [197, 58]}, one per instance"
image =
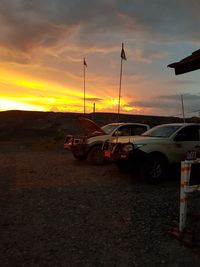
{"type": "Point", "coordinates": [123, 55]}
{"type": "Point", "coordinates": [84, 70]}
{"type": "Point", "coordinates": [84, 62]}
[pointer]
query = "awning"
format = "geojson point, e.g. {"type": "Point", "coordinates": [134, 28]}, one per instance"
{"type": "Point", "coordinates": [187, 64]}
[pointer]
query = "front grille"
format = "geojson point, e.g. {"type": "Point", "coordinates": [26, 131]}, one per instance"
{"type": "Point", "coordinates": [79, 140]}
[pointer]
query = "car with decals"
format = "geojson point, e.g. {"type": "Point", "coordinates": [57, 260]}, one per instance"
{"type": "Point", "coordinates": [154, 150]}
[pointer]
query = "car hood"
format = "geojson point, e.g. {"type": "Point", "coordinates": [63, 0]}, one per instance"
{"type": "Point", "coordinates": [135, 139]}
{"type": "Point", "coordinates": [91, 127]}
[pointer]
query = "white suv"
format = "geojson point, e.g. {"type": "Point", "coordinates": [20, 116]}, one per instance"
{"type": "Point", "coordinates": [90, 146]}
{"type": "Point", "coordinates": [155, 149]}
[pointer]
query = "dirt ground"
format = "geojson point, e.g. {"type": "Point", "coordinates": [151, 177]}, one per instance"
{"type": "Point", "coordinates": [56, 211]}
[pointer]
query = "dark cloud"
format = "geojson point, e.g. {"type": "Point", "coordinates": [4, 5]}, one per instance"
{"type": "Point", "coordinates": [156, 104]}
{"type": "Point", "coordinates": [170, 102]}
{"type": "Point", "coordinates": [94, 99]}
{"type": "Point", "coordinates": [188, 97]}
{"type": "Point", "coordinates": [183, 82]}
{"type": "Point", "coordinates": [25, 27]}
{"type": "Point", "coordinates": [170, 19]}
{"type": "Point", "coordinates": [28, 24]}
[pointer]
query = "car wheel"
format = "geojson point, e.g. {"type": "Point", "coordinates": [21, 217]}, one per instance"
{"type": "Point", "coordinates": [96, 156]}
{"type": "Point", "coordinates": [153, 169]}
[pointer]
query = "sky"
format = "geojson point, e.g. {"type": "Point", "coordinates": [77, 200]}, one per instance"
{"type": "Point", "coordinates": [43, 44]}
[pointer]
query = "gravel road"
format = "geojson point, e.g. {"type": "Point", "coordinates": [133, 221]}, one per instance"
{"type": "Point", "coordinates": [56, 211]}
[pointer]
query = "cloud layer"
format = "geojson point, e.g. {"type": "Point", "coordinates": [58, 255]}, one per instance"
{"type": "Point", "coordinates": [47, 40]}
{"type": "Point", "coordinates": [28, 24]}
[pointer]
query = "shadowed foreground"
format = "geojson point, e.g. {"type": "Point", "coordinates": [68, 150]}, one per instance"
{"type": "Point", "coordinates": [58, 212]}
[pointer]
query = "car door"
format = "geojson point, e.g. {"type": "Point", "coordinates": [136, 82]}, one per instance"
{"type": "Point", "coordinates": [186, 140]}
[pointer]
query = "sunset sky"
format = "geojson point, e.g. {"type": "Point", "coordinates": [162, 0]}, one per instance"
{"type": "Point", "coordinates": [43, 43]}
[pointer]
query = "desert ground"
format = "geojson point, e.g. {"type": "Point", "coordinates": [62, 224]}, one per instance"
{"type": "Point", "coordinates": [56, 211]}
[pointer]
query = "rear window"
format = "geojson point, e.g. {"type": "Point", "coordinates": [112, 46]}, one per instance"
{"type": "Point", "coordinates": [164, 131]}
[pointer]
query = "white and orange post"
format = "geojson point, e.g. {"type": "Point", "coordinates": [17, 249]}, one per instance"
{"type": "Point", "coordinates": [185, 177]}
{"type": "Point", "coordinates": [185, 190]}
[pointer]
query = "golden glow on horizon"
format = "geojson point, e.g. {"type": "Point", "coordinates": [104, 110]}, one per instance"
{"type": "Point", "coordinates": [6, 104]}
{"type": "Point", "coordinates": [114, 101]}
{"type": "Point", "coordinates": [131, 109]}
{"type": "Point", "coordinates": [42, 86]}
{"type": "Point", "coordinates": [21, 92]}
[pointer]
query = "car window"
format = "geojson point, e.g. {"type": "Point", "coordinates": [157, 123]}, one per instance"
{"type": "Point", "coordinates": [125, 130]}
{"type": "Point", "coordinates": [109, 128]}
{"type": "Point", "coordinates": [138, 129]}
{"type": "Point", "coordinates": [189, 133]}
{"type": "Point", "coordinates": [164, 131]}
{"type": "Point", "coordinates": [130, 130]}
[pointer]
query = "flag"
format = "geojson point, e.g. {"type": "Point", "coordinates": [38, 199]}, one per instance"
{"type": "Point", "coordinates": [84, 62]}
{"type": "Point", "coordinates": [123, 55]}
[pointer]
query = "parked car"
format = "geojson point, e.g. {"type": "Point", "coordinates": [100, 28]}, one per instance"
{"type": "Point", "coordinates": [90, 146]}
{"type": "Point", "coordinates": [155, 149]}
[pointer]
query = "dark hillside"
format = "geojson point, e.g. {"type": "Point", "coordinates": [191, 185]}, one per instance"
{"type": "Point", "coordinates": [29, 124]}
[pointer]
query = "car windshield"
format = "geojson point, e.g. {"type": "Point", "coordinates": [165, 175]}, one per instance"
{"type": "Point", "coordinates": [162, 131]}
{"type": "Point", "coordinates": [109, 128]}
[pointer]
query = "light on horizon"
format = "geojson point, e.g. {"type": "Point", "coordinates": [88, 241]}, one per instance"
{"type": "Point", "coordinates": [6, 104]}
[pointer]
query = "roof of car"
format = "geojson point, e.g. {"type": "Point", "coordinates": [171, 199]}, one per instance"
{"type": "Point", "coordinates": [130, 123]}
{"type": "Point", "coordinates": [179, 124]}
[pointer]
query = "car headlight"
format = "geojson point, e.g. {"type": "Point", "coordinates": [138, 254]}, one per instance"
{"type": "Point", "coordinates": [127, 147]}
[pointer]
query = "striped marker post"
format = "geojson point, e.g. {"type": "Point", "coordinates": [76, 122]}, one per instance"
{"type": "Point", "coordinates": [185, 189]}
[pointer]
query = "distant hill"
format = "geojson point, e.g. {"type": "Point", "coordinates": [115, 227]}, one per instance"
{"type": "Point", "coordinates": [28, 124]}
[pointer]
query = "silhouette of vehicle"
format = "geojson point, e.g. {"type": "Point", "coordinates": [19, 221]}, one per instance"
{"type": "Point", "coordinates": [90, 146]}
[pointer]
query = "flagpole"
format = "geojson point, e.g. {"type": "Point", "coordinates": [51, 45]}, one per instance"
{"type": "Point", "coordinates": [183, 112]}
{"type": "Point", "coordinates": [120, 85]}
{"type": "Point", "coordinates": [123, 57]}
{"type": "Point", "coordinates": [84, 86]}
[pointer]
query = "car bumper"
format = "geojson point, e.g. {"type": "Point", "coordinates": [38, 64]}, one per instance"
{"type": "Point", "coordinates": [67, 146]}
{"type": "Point", "coordinates": [76, 144]}
{"type": "Point", "coordinates": [135, 155]}
{"type": "Point", "coordinates": [116, 156]}
{"type": "Point", "coordinates": [80, 149]}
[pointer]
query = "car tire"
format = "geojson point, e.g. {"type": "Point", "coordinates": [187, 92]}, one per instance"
{"type": "Point", "coordinates": [96, 156]}
{"type": "Point", "coordinates": [153, 169]}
